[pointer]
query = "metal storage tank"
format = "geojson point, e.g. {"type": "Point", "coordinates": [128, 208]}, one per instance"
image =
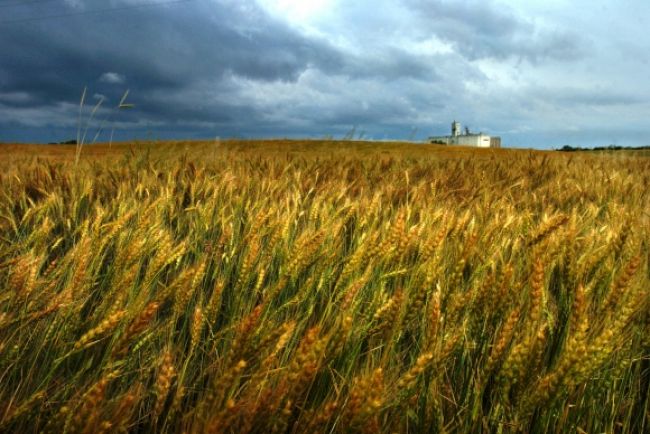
{"type": "Point", "coordinates": [455, 129]}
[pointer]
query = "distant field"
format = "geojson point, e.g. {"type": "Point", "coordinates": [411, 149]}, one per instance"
{"type": "Point", "coordinates": [319, 286]}
{"type": "Point", "coordinates": [315, 147]}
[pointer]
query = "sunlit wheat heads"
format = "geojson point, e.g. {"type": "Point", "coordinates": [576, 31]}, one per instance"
{"type": "Point", "coordinates": [320, 287]}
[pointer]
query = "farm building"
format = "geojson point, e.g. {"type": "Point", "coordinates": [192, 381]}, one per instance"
{"type": "Point", "coordinates": [466, 138]}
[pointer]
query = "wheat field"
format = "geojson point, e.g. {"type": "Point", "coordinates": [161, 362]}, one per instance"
{"type": "Point", "coordinates": [308, 287]}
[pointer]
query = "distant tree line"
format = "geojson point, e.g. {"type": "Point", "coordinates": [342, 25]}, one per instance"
{"type": "Point", "coordinates": [567, 148]}
{"type": "Point", "coordinates": [67, 142]}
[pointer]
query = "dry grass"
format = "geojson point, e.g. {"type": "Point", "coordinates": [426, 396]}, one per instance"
{"type": "Point", "coordinates": [323, 287]}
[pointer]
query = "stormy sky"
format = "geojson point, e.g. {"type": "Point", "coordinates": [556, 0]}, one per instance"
{"type": "Point", "coordinates": [539, 73]}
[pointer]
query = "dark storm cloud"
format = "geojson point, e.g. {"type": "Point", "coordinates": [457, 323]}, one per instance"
{"type": "Point", "coordinates": [390, 67]}
{"type": "Point", "coordinates": [154, 48]}
{"type": "Point", "coordinates": [155, 52]}
{"type": "Point", "coordinates": [179, 62]}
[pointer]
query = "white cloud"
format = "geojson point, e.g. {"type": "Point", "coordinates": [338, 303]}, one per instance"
{"type": "Point", "coordinates": [300, 12]}
{"type": "Point", "coordinates": [112, 78]}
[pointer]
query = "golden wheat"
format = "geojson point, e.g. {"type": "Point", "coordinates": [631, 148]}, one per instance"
{"type": "Point", "coordinates": [323, 287]}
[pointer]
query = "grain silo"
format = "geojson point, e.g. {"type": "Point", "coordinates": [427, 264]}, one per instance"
{"type": "Point", "coordinates": [467, 138]}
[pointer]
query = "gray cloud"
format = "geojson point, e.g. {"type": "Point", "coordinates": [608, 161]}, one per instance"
{"type": "Point", "coordinates": [483, 29]}
{"type": "Point", "coordinates": [596, 97]}
{"type": "Point", "coordinates": [232, 68]}
{"type": "Point", "coordinates": [161, 52]}
{"type": "Point", "coordinates": [15, 98]}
